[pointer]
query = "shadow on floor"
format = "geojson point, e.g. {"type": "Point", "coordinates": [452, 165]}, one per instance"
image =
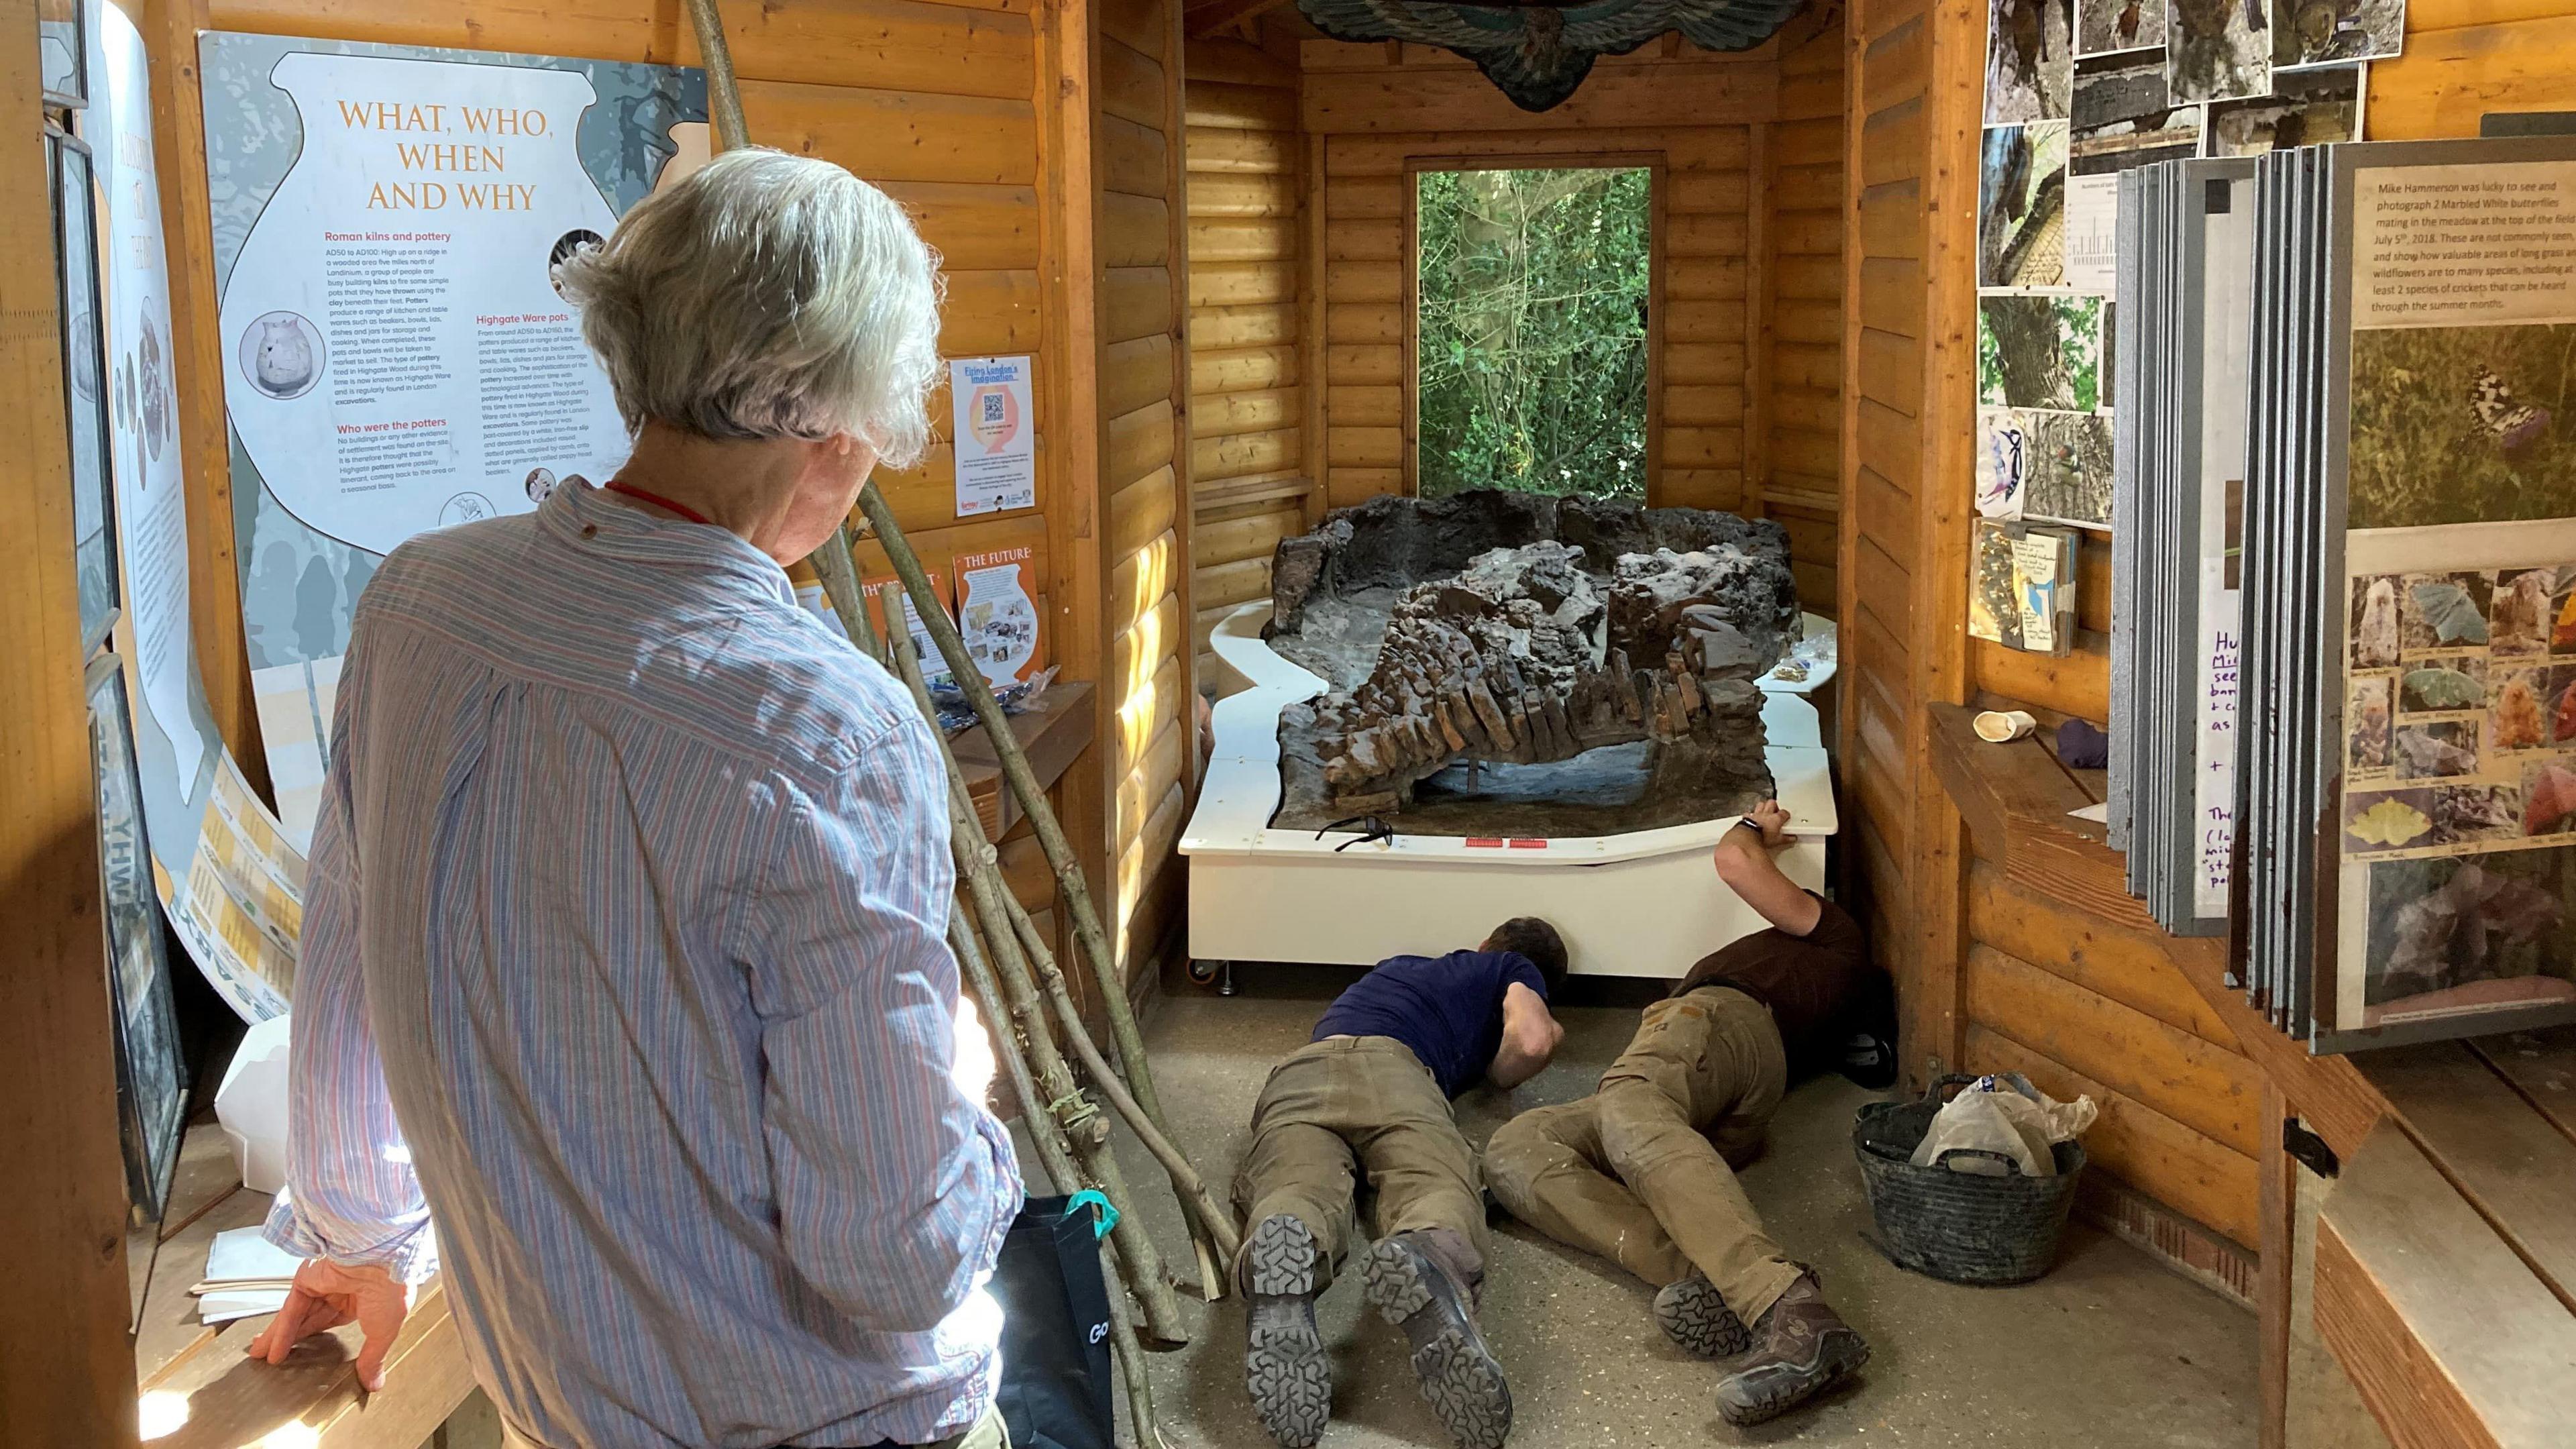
{"type": "Point", "coordinates": [2109, 1351]}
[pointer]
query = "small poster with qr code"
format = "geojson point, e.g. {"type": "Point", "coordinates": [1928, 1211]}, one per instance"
{"type": "Point", "coordinates": [995, 435]}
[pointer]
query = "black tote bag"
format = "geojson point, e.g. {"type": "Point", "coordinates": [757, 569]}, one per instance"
{"type": "Point", "coordinates": [1055, 1326]}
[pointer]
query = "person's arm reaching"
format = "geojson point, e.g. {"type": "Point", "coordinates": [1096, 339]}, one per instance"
{"type": "Point", "coordinates": [895, 1186]}
{"type": "Point", "coordinates": [1530, 1036]}
{"type": "Point", "coordinates": [1744, 862]}
{"type": "Point", "coordinates": [352, 1203]}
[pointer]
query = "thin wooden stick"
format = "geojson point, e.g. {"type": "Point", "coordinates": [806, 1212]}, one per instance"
{"type": "Point", "coordinates": [724, 97]}
{"type": "Point", "coordinates": [1024, 783]}
{"type": "Point", "coordinates": [1063, 1174]}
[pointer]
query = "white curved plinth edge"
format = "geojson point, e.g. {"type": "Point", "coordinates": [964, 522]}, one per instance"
{"type": "Point", "coordinates": [1643, 903]}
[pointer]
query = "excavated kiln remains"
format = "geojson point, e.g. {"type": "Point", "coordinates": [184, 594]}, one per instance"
{"type": "Point", "coordinates": [1519, 629]}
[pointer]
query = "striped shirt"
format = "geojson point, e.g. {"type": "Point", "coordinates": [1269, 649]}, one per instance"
{"type": "Point", "coordinates": [625, 962]}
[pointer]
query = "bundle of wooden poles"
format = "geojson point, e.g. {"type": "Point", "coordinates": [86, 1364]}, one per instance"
{"type": "Point", "coordinates": [1006, 961]}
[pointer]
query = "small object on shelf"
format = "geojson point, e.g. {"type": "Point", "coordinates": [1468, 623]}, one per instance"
{"type": "Point", "coordinates": [2003, 726]}
{"type": "Point", "coordinates": [2082, 747]}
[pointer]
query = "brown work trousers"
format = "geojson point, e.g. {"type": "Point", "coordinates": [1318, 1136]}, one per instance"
{"type": "Point", "coordinates": [1639, 1171]}
{"type": "Point", "coordinates": [1354, 1110]}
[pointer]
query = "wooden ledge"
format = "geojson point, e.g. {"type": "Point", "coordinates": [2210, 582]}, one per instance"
{"type": "Point", "coordinates": [2450, 1330]}
{"type": "Point", "coordinates": [231, 1401]}
{"type": "Point", "coordinates": [1053, 733]}
{"type": "Point", "coordinates": [2014, 798]}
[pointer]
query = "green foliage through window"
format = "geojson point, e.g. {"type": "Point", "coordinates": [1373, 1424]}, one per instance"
{"type": "Point", "coordinates": [1531, 331]}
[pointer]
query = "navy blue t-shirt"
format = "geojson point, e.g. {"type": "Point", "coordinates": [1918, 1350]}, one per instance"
{"type": "Point", "coordinates": [1449, 1009]}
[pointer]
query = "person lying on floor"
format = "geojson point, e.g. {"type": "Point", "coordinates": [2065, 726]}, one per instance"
{"type": "Point", "coordinates": [1368, 1100]}
{"type": "Point", "coordinates": [1639, 1172]}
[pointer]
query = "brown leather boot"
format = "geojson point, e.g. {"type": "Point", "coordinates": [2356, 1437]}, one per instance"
{"type": "Point", "coordinates": [1801, 1348]}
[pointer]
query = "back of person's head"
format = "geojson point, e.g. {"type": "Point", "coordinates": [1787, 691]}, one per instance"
{"type": "Point", "coordinates": [766, 296]}
{"type": "Point", "coordinates": [1537, 940]}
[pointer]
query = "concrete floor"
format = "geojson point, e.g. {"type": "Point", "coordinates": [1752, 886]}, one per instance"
{"type": "Point", "coordinates": [2107, 1352]}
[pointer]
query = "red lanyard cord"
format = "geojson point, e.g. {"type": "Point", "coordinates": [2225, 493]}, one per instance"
{"type": "Point", "coordinates": [614, 485]}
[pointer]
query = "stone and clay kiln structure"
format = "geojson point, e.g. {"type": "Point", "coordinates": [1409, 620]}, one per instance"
{"type": "Point", "coordinates": [1497, 704]}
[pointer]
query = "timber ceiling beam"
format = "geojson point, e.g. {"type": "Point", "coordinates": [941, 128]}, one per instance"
{"type": "Point", "coordinates": [1214, 16]}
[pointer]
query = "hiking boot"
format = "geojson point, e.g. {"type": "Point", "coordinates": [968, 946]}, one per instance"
{"type": "Point", "coordinates": [1694, 1316]}
{"type": "Point", "coordinates": [1409, 1286]}
{"type": "Point", "coordinates": [1284, 1367]}
{"type": "Point", "coordinates": [1801, 1348]}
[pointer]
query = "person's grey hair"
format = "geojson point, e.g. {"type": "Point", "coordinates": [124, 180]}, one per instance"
{"type": "Point", "coordinates": [766, 296]}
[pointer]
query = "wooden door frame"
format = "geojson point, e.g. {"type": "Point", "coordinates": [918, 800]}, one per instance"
{"type": "Point", "coordinates": [1505, 156]}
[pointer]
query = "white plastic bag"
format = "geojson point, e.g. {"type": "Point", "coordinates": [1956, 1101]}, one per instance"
{"type": "Point", "coordinates": [2006, 1116]}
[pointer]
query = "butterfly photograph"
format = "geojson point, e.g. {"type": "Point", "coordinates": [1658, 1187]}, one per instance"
{"type": "Point", "coordinates": [2462, 425]}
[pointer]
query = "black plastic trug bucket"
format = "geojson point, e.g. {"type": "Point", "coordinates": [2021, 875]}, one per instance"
{"type": "Point", "coordinates": [1959, 1226]}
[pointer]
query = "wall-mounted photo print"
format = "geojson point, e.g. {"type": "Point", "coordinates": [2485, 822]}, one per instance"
{"type": "Point", "coordinates": [2373, 627]}
{"type": "Point", "coordinates": [2559, 703]}
{"type": "Point", "coordinates": [2549, 797]}
{"type": "Point", "coordinates": [2021, 206]}
{"type": "Point", "coordinates": [2387, 820]}
{"type": "Point", "coordinates": [2218, 50]}
{"type": "Point", "coordinates": [2367, 720]}
{"type": "Point", "coordinates": [2476, 814]}
{"type": "Point", "coordinates": [2437, 685]}
{"type": "Point", "coordinates": [2523, 609]}
{"type": "Point", "coordinates": [2460, 425]}
{"type": "Point", "coordinates": [2306, 108]}
{"type": "Point", "coordinates": [2465, 933]}
{"type": "Point", "coordinates": [2515, 719]}
{"type": "Point", "coordinates": [2438, 612]}
{"type": "Point", "coordinates": [2071, 480]}
{"type": "Point", "coordinates": [2005, 447]}
{"type": "Point", "coordinates": [2316, 32]}
{"type": "Point", "coordinates": [2030, 60]}
{"type": "Point", "coordinates": [2446, 749]}
{"type": "Point", "coordinates": [2040, 352]}
{"type": "Point", "coordinates": [2102, 26]}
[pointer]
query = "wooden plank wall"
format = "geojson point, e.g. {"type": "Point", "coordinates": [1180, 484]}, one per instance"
{"type": "Point", "coordinates": [958, 110]}
{"type": "Point", "coordinates": [1912, 79]}
{"type": "Point", "coordinates": [68, 1377]}
{"type": "Point", "coordinates": [1383, 111]}
{"type": "Point", "coordinates": [1249, 283]}
{"type": "Point", "coordinates": [1796, 474]}
{"type": "Point", "coordinates": [1144, 470]}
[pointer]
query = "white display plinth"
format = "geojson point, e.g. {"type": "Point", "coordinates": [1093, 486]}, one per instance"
{"type": "Point", "coordinates": [1644, 903]}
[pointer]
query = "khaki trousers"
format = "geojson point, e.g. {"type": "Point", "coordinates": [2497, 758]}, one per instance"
{"type": "Point", "coordinates": [1638, 1172]}
{"type": "Point", "coordinates": [988, 1433]}
{"type": "Point", "coordinates": [1351, 1110]}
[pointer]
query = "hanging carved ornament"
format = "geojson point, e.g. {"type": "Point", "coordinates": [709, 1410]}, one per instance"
{"type": "Point", "coordinates": [1538, 51]}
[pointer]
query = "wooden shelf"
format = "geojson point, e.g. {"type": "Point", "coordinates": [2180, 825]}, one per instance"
{"type": "Point", "coordinates": [1053, 733]}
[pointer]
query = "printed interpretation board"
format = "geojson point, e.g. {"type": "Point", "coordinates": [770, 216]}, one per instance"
{"type": "Point", "coordinates": [994, 433]}
{"type": "Point", "coordinates": [206, 834]}
{"type": "Point", "coordinates": [396, 356]}
{"type": "Point", "coordinates": [2453, 716]}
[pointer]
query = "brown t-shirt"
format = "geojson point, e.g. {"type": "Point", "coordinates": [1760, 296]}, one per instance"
{"type": "Point", "coordinates": [1813, 983]}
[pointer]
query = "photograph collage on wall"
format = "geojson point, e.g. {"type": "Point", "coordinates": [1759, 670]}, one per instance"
{"type": "Point", "coordinates": [2078, 92]}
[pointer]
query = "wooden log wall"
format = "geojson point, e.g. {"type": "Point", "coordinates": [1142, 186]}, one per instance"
{"type": "Point", "coordinates": [1912, 88]}
{"type": "Point", "coordinates": [1026, 152]}
{"type": "Point", "coordinates": [69, 1375]}
{"type": "Point", "coordinates": [1250, 290]}
{"type": "Point", "coordinates": [2014, 974]}
{"type": "Point", "coordinates": [1144, 467]}
{"type": "Point", "coordinates": [1745, 330]}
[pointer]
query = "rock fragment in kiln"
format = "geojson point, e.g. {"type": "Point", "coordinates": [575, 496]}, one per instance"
{"type": "Point", "coordinates": [1535, 649]}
